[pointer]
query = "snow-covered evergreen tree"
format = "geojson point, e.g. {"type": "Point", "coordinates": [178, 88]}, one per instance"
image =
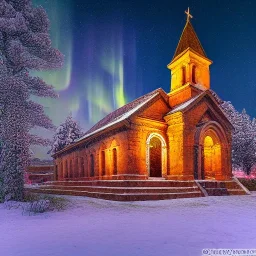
{"type": "Point", "coordinates": [243, 138]}
{"type": "Point", "coordinates": [59, 139]}
{"type": "Point", "coordinates": [74, 130]}
{"type": "Point", "coordinates": [25, 45]}
{"type": "Point", "coordinates": [66, 134]}
{"type": "Point", "coordinates": [254, 125]}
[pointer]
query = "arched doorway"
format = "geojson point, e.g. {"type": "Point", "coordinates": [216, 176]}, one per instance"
{"type": "Point", "coordinates": [156, 155]}
{"type": "Point", "coordinates": [210, 145]}
{"type": "Point", "coordinates": [211, 159]}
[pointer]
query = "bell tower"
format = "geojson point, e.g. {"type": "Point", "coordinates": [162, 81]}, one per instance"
{"type": "Point", "coordinates": [189, 67]}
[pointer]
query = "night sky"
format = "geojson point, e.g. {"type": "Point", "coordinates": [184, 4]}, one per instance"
{"type": "Point", "coordinates": [116, 51]}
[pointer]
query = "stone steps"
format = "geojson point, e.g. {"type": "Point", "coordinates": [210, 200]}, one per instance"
{"type": "Point", "coordinates": [232, 185]}
{"type": "Point", "coordinates": [236, 192]}
{"type": "Point", "coordinates": [125, 183]}
{"type": "Point", "coordinates": [221, 188]}
{"type": "Point", "coordinates": [121, 190]}
{"type": "Point", "coordinates": [217, 192]}
{"type": "Point", "coordinates": [140, 190]}
{"type": "Point", "coordinates": [120, 197]}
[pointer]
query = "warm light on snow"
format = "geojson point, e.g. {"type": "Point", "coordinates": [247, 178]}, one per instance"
{"type": "Point", "coordinates": [153, 228]}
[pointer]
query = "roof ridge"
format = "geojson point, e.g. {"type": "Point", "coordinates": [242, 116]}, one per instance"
{"type": "Point", "coordinates": [187, 104]}
{"type": "Point", "coordinates": [184, 105]}
{"type": "Point", "coordinates": [114, 115]}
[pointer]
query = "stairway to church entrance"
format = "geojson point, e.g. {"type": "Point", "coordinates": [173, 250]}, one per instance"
{"type": "Point", "coordinates": [220, 188]}
{"type": "Point", "coordinates": [139, 190]}
{"type": "Point", "coordinates": [121, 190]}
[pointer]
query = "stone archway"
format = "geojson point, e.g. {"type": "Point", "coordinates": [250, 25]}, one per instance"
{"type": "Point", "coordinates": [210, 152]}
{"type": "Point", "coordinates": [211, 158]}
{"type": "Point", "coordinates": [156, 155]}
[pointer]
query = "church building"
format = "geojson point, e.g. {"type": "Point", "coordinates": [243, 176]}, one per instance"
{"type": "Point", "coordinates": [179, 135]}
{"type": "Point", "coordinates": [162, 145]}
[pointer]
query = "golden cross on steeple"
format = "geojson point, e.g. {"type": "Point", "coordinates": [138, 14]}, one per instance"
{"type": "Point", "coordinates": [188, 15]}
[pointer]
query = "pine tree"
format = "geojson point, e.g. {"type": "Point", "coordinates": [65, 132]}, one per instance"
{"type": "Point", "coordinates": [66, 134]}
{"type": "Point", "coordinates": [254, 125]}
{"type": "Point", "coordinates": [247, 147]}
{"type": "Point", "coordinates": [25, 45]}
{"type": "Point", "coordinates": [74, 130]}
{"type": "Point", "coordinates": [243, 138]}
{"type": "Point", "coordinates": [59, 139]}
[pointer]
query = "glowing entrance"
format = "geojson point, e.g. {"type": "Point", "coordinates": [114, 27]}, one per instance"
{"type": "Point", "coordinates": [211, 160]}
{"type": "Point", "coordinates": [209, 144]}
{"type": "Point", "coordinates": [156, 155]}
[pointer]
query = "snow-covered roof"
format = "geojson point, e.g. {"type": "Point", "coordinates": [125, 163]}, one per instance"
{"type": "Point", "coordinates": [199, 86]}
{"type": "Point", "coordinates": [184, 105]}
{"type": "Point", "coordinates": [211, 94]}
{"type": "Point", "coordinates": [121, 114]}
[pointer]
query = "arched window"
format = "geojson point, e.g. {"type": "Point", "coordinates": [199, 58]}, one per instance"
{"type": "Point", "coordinates": [183, 75]}
{"type": "Point", "coordinates": [103, 163]}
{"type": "Point", "coordinates": [194, 74]}
{"type": "Point", "coordinates": [91, 165]}
{"type": "Point", "coordinates": [114, 161]}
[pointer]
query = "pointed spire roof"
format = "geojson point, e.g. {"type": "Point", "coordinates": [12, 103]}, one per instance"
{"type": "Point", "coordinates": [190, 40]}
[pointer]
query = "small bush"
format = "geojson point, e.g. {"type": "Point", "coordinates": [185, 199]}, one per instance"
{"type": "Point", "coordinates": [9, 204]}
{"type": "Point", "coordinates": [29, 197]}
{"type": "Point", "coordinates": [39, 206]}
{"type": "Point", "coordinates": [59, 203]}
{"type": "Point", "coordinates": [55, 203]}
{"type": "Point", "coordinates": [37, 203]}
{"type": "Point", "coordinates": [249, 183]}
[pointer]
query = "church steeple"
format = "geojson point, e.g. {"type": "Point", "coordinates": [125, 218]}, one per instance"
{"type": "Point", "coordinates": [190, 40]}
{"type": "Point", "coordinates": [190, 65]}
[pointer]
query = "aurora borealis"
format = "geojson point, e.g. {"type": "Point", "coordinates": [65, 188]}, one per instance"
{"type": "Point", "coordinates": [91, 83]}
{"type": "Point", "coordinates": [116, 51]}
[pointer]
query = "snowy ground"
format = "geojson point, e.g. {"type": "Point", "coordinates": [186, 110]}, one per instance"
{"type": "Point", "coordinates": [91, 227]}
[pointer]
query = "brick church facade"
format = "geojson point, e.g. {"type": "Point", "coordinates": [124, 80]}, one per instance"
{"type": "Point", "coordinates": [179, 135]}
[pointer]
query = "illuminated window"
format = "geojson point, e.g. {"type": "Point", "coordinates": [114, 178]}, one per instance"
{"type": "Point", "coordinates": [208, 141]}
{"type": "Point", "coordinates": [194, 74]}
{"type": "Point", "coordinates": [114, 161]}
{"type": "Point", "coordinates": [103, 163]}
{"type": "Point", "coordinates": [183, 75]}
{"type": "Point", "coordinates": [92, 165]}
